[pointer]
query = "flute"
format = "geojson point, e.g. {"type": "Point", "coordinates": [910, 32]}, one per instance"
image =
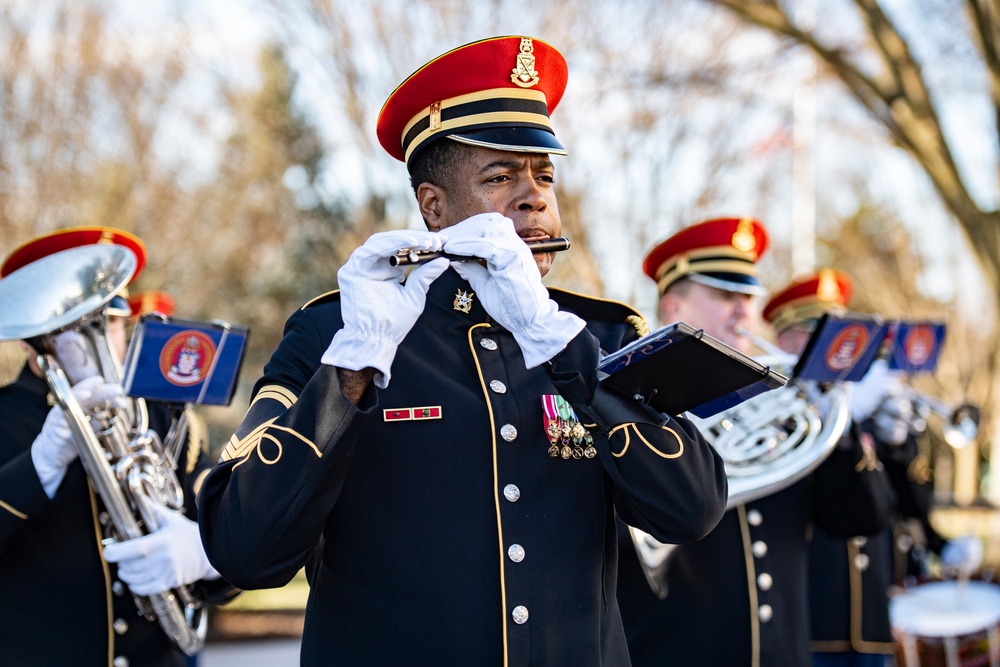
{"type": "Point", "coordinates": [410, 257]}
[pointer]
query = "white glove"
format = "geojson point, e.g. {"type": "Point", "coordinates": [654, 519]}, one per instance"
{"type": "Point", "coordinates": [868, 393]}
{"type": "Point", "coordinates": [892, 419]}
{"type": "Point", "coordinates": [378, 309]}
{"type": "Point", "coordinates": [965, 554]}
{"type": "Point", "coordinates": [53, 449]}
{"type": "Point", "coordinates": [170, 556]}
{"type": "Point", "coordinates": [510, 286]}
{"type": "Point", "coordinates": [75, 355]}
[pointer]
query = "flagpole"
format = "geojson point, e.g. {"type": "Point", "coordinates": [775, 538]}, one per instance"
{"type": "Point", "coordinates": [803, 258]}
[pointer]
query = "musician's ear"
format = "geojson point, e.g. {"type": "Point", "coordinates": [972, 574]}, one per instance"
{"type": "Point", "coordinates": [670, 306]}
{"type": "Point", "coordinates": [431, 200]}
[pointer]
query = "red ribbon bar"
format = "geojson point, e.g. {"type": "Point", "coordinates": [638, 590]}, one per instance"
{"type": "Point", "coordinates": [412, 414]}
{"type": "Point", "coordinates": [427, 412]}
{"type": "Point", "coordinates": [397, 414]}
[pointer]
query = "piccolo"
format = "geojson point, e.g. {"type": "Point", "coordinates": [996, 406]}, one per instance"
{"type": "Point", "coordinates": [409, 256]}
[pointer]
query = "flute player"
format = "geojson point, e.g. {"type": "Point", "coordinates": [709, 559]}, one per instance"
{"type": "Point", "coordinates": [438, 447]}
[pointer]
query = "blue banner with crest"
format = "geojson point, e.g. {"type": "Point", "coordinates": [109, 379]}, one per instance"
{"type": "Point", "coordinates": [842, 348]}
{"type": "Point", "coordinates": [184, 361]}
{"type": "Point", "coordinates": [916, 346]}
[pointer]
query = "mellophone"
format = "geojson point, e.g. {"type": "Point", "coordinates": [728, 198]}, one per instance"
{"type": "Point", "coordinates": [410, 256]}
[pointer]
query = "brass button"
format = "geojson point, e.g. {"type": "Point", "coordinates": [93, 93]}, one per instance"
{"type": "Point", "coordinates": [118, 588]}
{"type": "Point", "coordinates": [508, 432]}
{"type": "Point", "coordinates": [120, 661]}
{"type": "Point", "coordinates": [759, 548]}
{"type": "Point", "coordinates": [498, 387]}
{"type": "Point", "coordinates": [764, 581]}
{"type": "Point", "coordinates": [520, 614]}
{"type": "Point", "coordinates": [859, 541]}
{"type": "Point", "coordinates": [488, 343]}
{"type": "Point", "coordinates": [511, 492]}
{"type": "Point", "coordinates": [861, 561]}
{"type": "Point", "coordinates": [765, 613]}
{"type": "Point", "coordinates": [120, 625]}
{"type": "Point", "coordinates": [755, 518]}
{"type": "Point", "coordinates": [516, 553]}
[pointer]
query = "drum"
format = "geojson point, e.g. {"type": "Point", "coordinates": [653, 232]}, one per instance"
{"type": "Point", "coordinates": [947, 624]}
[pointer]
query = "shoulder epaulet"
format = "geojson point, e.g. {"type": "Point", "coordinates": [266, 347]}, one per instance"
{"type": "Point", "coordinates": [322, 298]}
{"type": "Point", "coordinates": [593, 308]}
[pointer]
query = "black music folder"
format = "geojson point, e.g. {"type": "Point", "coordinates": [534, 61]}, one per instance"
{"type": "Point", "coordinates": [678, 368]}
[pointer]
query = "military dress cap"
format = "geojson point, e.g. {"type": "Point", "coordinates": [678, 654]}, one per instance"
{"type": "Point", "coordinates": [151, 302]}
{"type": "Point", "coordinates": [496, 93]}
{"type": "Point", "coordinates": [720, 253]}
{"type": "Point", "coordinates": [808, 299]}
{"type": "Point", "coordinates": [74, 237]}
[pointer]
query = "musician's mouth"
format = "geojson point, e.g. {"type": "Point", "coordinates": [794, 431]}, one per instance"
{"type": "Point", "coordinates": [533, 233]}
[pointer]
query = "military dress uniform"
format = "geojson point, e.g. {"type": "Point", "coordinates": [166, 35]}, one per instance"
{"type": "Point", "coordinates": [451, 534]}
{"type": "Point", "coordinates": [62, 603]}
{"type": "Point", "coordinates": [849, 582]}
{"type": "Point", "coordinates": [911, 478]}
{"type": "Point", "coordinates": [849, 577]}
{"type": "Point", "coordinates": [738, 597]}
{"type": "Point", "coordinates": [745, 580]}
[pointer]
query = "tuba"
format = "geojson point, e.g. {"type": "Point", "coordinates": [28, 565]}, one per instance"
{"type": "Point", "coordinates": [128, 465]}
{"type": "Point", "coordinates": [767, 443]}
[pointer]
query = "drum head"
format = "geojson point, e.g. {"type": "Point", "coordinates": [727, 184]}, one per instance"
{"type": "Point", "coordinates": [946, 608]}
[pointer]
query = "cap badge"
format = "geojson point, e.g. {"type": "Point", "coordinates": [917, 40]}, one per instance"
{"type": "Point", "coordinates": [463, 301]}
{"type": "Point", "coordinates": [828, 289]}
{"type": "Point", "coordinates": [743, 238]}
{"type": "Point", "coordinates": [524, 73]}
{"type": "Point", "coordinates": [435, 112]}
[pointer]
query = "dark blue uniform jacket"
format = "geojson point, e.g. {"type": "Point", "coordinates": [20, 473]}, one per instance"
{"type": "Point", "coordinates": [60, 601]}
{"type": "Point", "coordinates": [455, 540]}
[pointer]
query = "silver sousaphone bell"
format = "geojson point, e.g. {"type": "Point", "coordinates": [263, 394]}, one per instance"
{"type": "Point", "coordinates": [56, 292]}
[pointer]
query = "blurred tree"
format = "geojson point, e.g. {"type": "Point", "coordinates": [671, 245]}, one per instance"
{"type": "Point", "coordinates": [222, 187]}
{"type": "Point", "coordinates": [81, 125]}
{"type": "Point", "coordinates": [258, 239]}
{"type": "Point", "coordinates": [656, 124]}
{"type": "Point", "coordinates": [881, 67]}
{"type": "Point", "coordinates": [879, 253]}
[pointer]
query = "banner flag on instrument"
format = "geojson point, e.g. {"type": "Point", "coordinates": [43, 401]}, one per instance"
{"type": "Point", "coordinates": [916, 346]}
{"type": "Point", "coordinates": [184, 361]}
{"type": "Point", "coordinates": [841, 348]}
{"type": "Point", "coordinates": [678, 368]}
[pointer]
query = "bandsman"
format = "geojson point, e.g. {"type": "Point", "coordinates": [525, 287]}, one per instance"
{"type": "Point", "coordinates": [438, 442]}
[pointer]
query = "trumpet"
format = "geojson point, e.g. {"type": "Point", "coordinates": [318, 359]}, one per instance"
{"type": "Point", "coordinates": [960, 423]}
{"type": "Point", "coordinates": [412, 257]}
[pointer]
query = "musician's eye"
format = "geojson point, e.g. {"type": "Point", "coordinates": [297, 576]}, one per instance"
{"type": "Point", "coordinates": [499, 178]}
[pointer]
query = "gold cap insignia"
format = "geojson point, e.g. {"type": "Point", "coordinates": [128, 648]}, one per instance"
{"type": "Point", "coordinates": [435, 113]}
{"type": "Point", "coordinates": [524, 73]}
{"type": "Point", "coordinates": [828, 288]}
{"type": "Point", "coordinates": [743, 238]}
